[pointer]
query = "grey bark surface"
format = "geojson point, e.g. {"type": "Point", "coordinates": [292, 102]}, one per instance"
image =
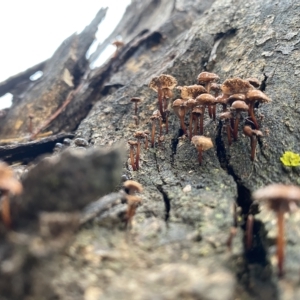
{"type": "Point", "coordinates": [176, 247]}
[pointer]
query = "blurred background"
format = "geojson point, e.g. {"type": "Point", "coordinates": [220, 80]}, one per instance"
{"type": "Point", "coordinates": [32, 30]}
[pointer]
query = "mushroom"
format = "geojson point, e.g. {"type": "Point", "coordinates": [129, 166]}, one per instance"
{"type": "Point", "coordinates": [251, 97]}
{"type": "Point", "coordinates": [235, 86]}
{"type": "Point", "coordinates": [118, 44]}
{"type": "Point", "coordinates": [131, 187]}
{"type": "Point", "coordinates": [8, 185]}
{"type": "Point", "coordinates": [227, 116]}
{"type": "Point", "coordinates": [191, 91]}
{"type": "Point", "coordinates": [253, 134]}
{"type": "Point", "coordinates": [215, 88]}
{"type": "Point", "coordinates": [132, 145]}
{"type": "Point", "coordinates": [135, 100]}
{"type": "Point", "coordinates": [179, 107]}
{"type": "Point", "coordinates": [155, 116]}
{"type": "Point", "coordinates": [167, 114]}
{"type": "Point", "coordinates": [197, 113]}
{"type": "Point", "coordinates": [238, 106]}
{"type": "Point", "coordinates": [146, 133]}
{"type": "Point", "coordinates": [138, 135]}
{"type": "Point", "coordinates": [132, 201]}
{"type": "Point", "coordinates": [207, 79]}
{"type": "Point", "coordinates": [254, 82]}
{"type": "Point", "coordinates": [191, 104]}
{"type": "Point", "coordinates": [203, 100]}
{"type": "Point", "coordinates": [201, 143]}
{"type": "Point", "coordinates": [159, 84]}
{"type": "Point", "coordinates": [281, 199]}
{"type": "Point", "coordinates": [222, 99]}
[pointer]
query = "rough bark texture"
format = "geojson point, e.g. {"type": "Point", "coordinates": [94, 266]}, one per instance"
{"type": "Point", "coordinates": [176, 245]}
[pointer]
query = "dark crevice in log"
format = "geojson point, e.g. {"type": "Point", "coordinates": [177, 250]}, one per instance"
{"type": "Point", "coordinates": [28, 151]}
{"type": "Point", "coordinates": [166, 201]}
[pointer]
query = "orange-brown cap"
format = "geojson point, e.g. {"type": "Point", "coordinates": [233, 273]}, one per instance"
{"type": "Point", "coordinates": [191, 103]}
{"type": "Point", "coordinates": [215, 87]}
{"type": "Point", "coordinates": [118, 43]}
{"type": "Point", "coordinates": [197, 111]}
{"type": "Point", "coordinates": [207, 77]}
{"type": "Point", "coordinates": [132, 143]}
{"type": "Point", "coordinates": [132, 186]}
{"type": "Point", "coordinates": [253, 81]}
{"type": "Point", "coordinates": [205, 99]}
{"type": "Point", "coordinates": [225, 115]}
{"type": "Point", "coordinates": [257, 95]}
{"type": "Point", "coordinates": [278, 196]}
{"type": "Point", "coordinates": [239, 105]}
{"type": "Point", "coordinates": [136, 99]}
{"type": "Point", "coordinates": [163, 81]}
{"type": "Point", "coordinates": [235, 86]}
{"type": "Point", "coordinates": [191, 91]}
{"type": "Point", "coordinates": [7, 181]}
{"type": "Point", "coordinates": [222, 99]}
{"type": "Point", "coordinates": [179, 103]}
{"type": "Point", "coordinates": [248, 131]}
{"type": "Point", "coordinates": [236, 97]}
{"type": "Point", "coordinates": [200, 141]}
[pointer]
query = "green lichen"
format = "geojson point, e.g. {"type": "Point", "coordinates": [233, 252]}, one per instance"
{"type": "Point", "coordinates": [290, 159]}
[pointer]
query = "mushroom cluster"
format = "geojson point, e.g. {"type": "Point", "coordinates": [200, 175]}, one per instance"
{"type": "Point", "coordinates": [237, 98]}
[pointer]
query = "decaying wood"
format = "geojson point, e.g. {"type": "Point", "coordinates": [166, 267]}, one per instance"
{"type": "Point", "coordinates": [177, 245]}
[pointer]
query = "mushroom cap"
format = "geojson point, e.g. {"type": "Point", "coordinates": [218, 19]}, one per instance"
{"type": "Point", "coordinates": [205, 99]}
{"type": "Point", "coordinates": [235, 86]}
{"type": "Point", "coordinates": [207, 77]}
{"type": "Point", "coordinates": [163, 81]}
{"type": "Point", "coordinates": [118, 43]}
{"type": "Point", "coordinates": [167, 93]}
{"type": "Point", "coordinates": [225, 115]}
{"type": "Point", "coordinates": [191, 103]}
{"type": "Point", "coordinates": [7, 180]}
{"type": "Point", "coordinates": [191, 91]}
{"type": "Point", "coordinates": [253, 81]}
{"type": "Point", "coordinates": [239, 105]}
{"type": "Point", "coordinates": [236, 97]}
{"type": "Point", "coordinates": [178, 103]}
{"type": "Point", "coordinates": [248, 131]}
{"type": "Point", "coordinates": [278, 196]}
{"type": "Point", "coordinates": [222, 99]}
{"type": "Point", "coordinates": [200, 141]}
{"type": "Point", "coordinates": [132, 143]}
{"type": "Point", "coordinates": [197, 111]}
{"type": "Point", "coordinates": [136, 99]}
{"type": "Point", "coordinates": [132, 186]}
{"type": "Point", "coordinates": [257, 95]}
{"type": "Point", "coordinates": [139, 134]}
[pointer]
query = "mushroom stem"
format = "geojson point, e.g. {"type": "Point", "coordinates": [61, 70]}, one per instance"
{"type": "Point", "coordinates": [135, 108]}
{"type": "Point", "coordinates": [200, 154]}
{"type": "Point", "coordinates": [132, 158]}
{"type": "Point", "coordinates": [249, 232]}
{"type": "Point", "coordinates": [160, 127]}
{"type": "Point", "coordinates": [236, 125]}
{"type": "Point", "coordinates": [137, 156]}
{"type": "Point", "coordinates": [191, 126]}
{"type": "Point", "coordinates": [160, 101]}
{"type": "Point", "coordinates": [196, 121]}
{"type": "Point", "coordinates": [167, 124]}
{"type": "Point", "coordinates": [146, 142]}
{"type": "Point", "coordinates": [252, 116]}
{"type": "Point", "coordinates": [152, 133]}
{"type": "Point", "coordinates": [280, 241]}
{"type": "Point", "coordinates": [5, 210]}
{"type": "Point", "coordinates": [210, 112]}
{"type": "Point", "coordinates": [253, 146]}
{"type": "Point", "coordinates": [202, 120]}
{"type": "Point", "coordinates": [214, 111]}
{"type": "Point", "coordinates": [182, 124]}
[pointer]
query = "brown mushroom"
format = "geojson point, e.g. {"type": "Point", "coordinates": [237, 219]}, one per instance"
{"type": "Point", "coordinates": [179, 107]}
{"type": "Point", "coordinates": [131, 187]}
{"type": "Point", "coordinates": [133, 202]}
{"type": "Point", "coordinates": [155, 117]}
{"type": "Point", "coordinates": [252, 134]}
{"type": "Point", "coordinates": [191, 91]}
{"type": "Point", "coordinates": [160, 83]}
{"type": "Point", "coordinates": [191, 104]}
{"type": "Point", "coordinates": [238, 106]}
{"type": "Point", "coordinates": [227, 116]}
{"type": "Point", "coordinates": [207, 79]}
{"type": "Point", "coordinates": [205, 100]}
{"type": "Point", "coordinates": [8, 185]}
{"type": "Point", "coordinates": [215, 89]}
{"type": "Point", "coordinates": [281, 199]}
{"type": "Point", "coordinates": [132, 145]}
{"type": "Point", "coordinates": [201, 143]}
{"type": "Point", "coordinates": [146, 133]}
{"type": "Point", "coordinates": [135, 100]}
{"type": "Point", "coordinates": [254, 82]}
{"type": "Point", "coordinates": [251, 98]}
{"type": "Point", "coordinates": [138, 135]}
{"type": "Point", "coordinates": [222, 99]}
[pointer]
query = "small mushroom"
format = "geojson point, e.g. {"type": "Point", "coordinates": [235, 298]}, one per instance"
{"type": "Point", "coordinates": [197, 113]}
{"type": "Point", "coordinates": [227, 116]}
{"type": "Point", "coordinates": [191, 91]}
{"type": "Point", "coordinates": [158, 84]}
{"type": "Point", "coordinates": [201, 143]}
{"type": "Point", "coordinates": [179, 107]}
{"type": "Point", "coordinates": [8, 186]}
{"type": "Point", "coordinates": [222, 99]}
{"type": "Point", "coordinates": [191, 104]}
{"type": "Point", "coordinates": [235, 86]}
{"type": "Point", "coordinates": [207, 79]}
{"type": "Point", "coordinates": [138, 135]}
{"type": "Point", "coordinates": [238, 106]}
{"type": "Point", "coordinates": [252, 134]}
{"type": "Point", "coordinates": [155, 117]}
{"type": "Point", "coordinates": [254, 82]}
{"type": "Point", "coordinates": [132, 145]}
{"type": "Point", "coordinates": [205, 100]}
{"type": "Point", "coordinates": [135, 100]}
{"type": "Point", "coordinates": [251, 98]}
{"type": "Point", "coordinates": [133, 202]}
{"type": "Point", "coordinates": [215, 89]}
{"type": "Point", "coordinates": [281, 199]}
{"type": "Point", "coordinates": [131, 187]}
